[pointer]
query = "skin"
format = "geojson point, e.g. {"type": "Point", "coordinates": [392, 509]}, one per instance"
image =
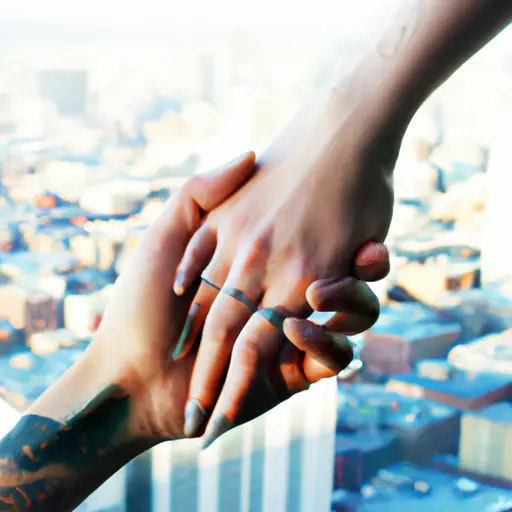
{"type": "Point", "coordinates": [324, 187]}
{"type": "Point", "coordinates": [127, 394]}
{"type": "Point", "coordinates": [50, 465]}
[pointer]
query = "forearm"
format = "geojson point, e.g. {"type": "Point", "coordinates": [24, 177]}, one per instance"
{"type": "Point", "coordinates": [427, 41]}
{"type": "Point", "coordinates": [67, 444]}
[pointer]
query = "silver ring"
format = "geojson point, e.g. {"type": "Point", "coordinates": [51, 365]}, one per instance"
{"type": "Point", "coordinates": [273, 316]}
{"type": "Point", "coordinates": [211, 283]}
{"type": "Point", "coordinates": [240, 297]}
{"type": "Point", "coordinates": [232, 292]}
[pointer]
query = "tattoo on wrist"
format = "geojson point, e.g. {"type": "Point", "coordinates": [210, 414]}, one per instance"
{"type": "Point", "coordinates": [42, 459]}
{"type": "Point", "coordinates": [391, 44]}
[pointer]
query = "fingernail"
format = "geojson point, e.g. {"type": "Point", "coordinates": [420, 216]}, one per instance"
{"type": "Point", "coordinates": [232, 163]}
{"type": "Point", "coordinates": [189, 322]}
{"type": "Point", "coordinates": [220, 426]}
{"type": "Point", "coordinates": [179, 288]}
{"type": "Point", "coordinates": [239, 159]}
{"type": "Point", "coordinates": [195, 418]}
{"type": "Point", "coordinates": [372, 256]}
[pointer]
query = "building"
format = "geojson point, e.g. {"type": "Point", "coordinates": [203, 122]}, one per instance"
{"type": "Point", "coordinates": [429, 280]}
{"type": "Point", "coordinates": [486, 441]}
{"type": "Point", "coordinates": [83, 311]}
{"type": "Point", "coordinates": [404, 334]}
{"type": "Point", "coordinates": [497, 242]}
{"type": "Point", "coordinates": [24, 376]}
{"type": "Point", "coordinates": [360, 454]}
{"type": "Point", "coordinates": [422, 427]}
{"type": "Point", "coordinates": [11, 339]}
{"type": "Point", "coordinates": [65, 89]}
{"type": "Point", "coordinates": [492, 353]}
{"type": "Point", "coordinates": [437, 380]}
{"type": "Point", "coordinates": [406, 487]}
{"type": "Point", "coordinates": [28, 309]}
{"type": "Point", "coordinates": [279, 463]}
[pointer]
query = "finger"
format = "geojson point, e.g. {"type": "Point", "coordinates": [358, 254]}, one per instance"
{"type": "Point", "coordinates": [248, 362]}
{"type": "Point", "coordinates": [203, 300]}
{"type": "Point", "coordinates": [357, 307]}
{"type": "Point", "coordinates": [372, 262]}
{"type": "Point", "coordinates": [211, 189]}
{"type": "Point", "coordinates": [257, 349]}
{"type": "Point", "coordinates": [164, 243]}
{"type": "Point", "coordinates": [227, 316]}
{"type": "Point", "coordinates": [208, 191]}
{"type": "Point", "coordinates": [211, 364]}
{"type": "Point", "coordinates": [198, 254]}
{"type": "Point", "coordinates": [326, 353]}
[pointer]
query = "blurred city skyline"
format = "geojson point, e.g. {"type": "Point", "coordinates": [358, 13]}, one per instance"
{"type": "Point", "coordinates": [106, 109]}
{"type": "Point", "coordinates": [220, 12]}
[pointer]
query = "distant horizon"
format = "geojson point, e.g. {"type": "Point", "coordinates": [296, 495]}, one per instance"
{"type": "Point", "coordinates": [203, 11]}
{"type": "Point", "coordinates": [31, 36]}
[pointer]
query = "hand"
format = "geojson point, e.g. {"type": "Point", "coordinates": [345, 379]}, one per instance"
{"type": "Point", "coordinates": [315, 352]}
{"type": "Point", "coordinates": [144, 317]}
{"type": "Point", "coordinates": [322, 191]}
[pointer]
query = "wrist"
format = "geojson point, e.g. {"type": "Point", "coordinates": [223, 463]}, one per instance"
{"type": "Point", "coordinates": [377, 101]}
{"type": "Point", "coordinates": [92, 391]}
{"type": "Point", "coordinates": [72, 439]}
{"type": "Point", "coordinates": [152, 415]}
{"type": "Point", "coordinates": [77, 387]}
{"type": "Point", "coordinates": [365, 129]}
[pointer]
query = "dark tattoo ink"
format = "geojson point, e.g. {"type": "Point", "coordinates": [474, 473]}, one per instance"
{"type": "Point", "coordinates": [43, 462]}
{"type": "Point", "coordinates": [391, 44]}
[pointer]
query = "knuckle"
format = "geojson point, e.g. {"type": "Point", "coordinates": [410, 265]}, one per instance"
{"type": "Point", "coordinates": [191, 185]}
{"type": "Point", "coordinates": [256, 249]}
{"type": "Point", "coordinates": [260, 241]}
{"type": "Point", "coordinates": [218, 267]}
{"type": "Point", "coordinates": [235, 223]}
{"type": "Point", "coordinates": [248, 353]}
{"type": "Point", "coordinates": [219, 332]}
{"type": "Point", "coordinates": [295, 379]}
{"type": "Point", "coordinates": [300, 269]}
{"type": "Point", "coordinates": [192, 255]}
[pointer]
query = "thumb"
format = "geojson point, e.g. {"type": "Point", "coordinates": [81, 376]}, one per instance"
{"type": "Point", "coordinates": [166, 240]}
{"type": "Point", "coordinates": [211, 189]}
{"type": "Point", "coordinates": [325, 353]}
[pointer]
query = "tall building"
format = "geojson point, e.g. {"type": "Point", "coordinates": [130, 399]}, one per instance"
{"type": "Point", "coordinates": [66, 89]}
{"type": "Point", "coordinates": [497, 241]}
{"type": "Point", "coordinates": [437, 380]}
{"type": "Point", "coordinates": [404, 334]}
{"type": "Point", "coordinates": [486, 441]}
{"type": "Point", "coordinates": [281, 462]}
{"type": "Point", "coordinates": [492, 353]}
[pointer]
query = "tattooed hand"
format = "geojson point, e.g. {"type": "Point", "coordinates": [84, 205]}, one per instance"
{"type": "Point", "coordinates": [145, 318]}
{"type": "Point", "coordinates": [128, 393]}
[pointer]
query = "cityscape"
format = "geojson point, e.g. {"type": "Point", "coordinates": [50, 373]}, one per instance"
{"type": "Point", "coordinates": [94, 139]}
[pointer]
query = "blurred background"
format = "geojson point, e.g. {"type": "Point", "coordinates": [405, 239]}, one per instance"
{"type": "Point", "coordinates": [107, 108]}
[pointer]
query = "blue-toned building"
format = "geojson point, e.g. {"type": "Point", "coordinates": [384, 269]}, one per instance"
{"type": "Point", "coordinates": [457, 389]}
{"type": "Point", "coordinates": [376, 428]}
{"type": "Point", "coordinates": [406, 487]}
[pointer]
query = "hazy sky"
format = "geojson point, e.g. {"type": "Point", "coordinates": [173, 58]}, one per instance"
{"type": "Point", "coordinates": [347, 14]}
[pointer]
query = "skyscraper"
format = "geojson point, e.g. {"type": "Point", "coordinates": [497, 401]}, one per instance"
{"type": "Point", "coordinates": [66, 89]}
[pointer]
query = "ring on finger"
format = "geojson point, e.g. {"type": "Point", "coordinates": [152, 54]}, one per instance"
{"type": "Point", "coordinates": [240, 297]}
{"type": "Point", "coordinates": [272, 315]}
{"type": "Point", "coordinates": [233, 292]}
{"type": "Point", "coordinates": [211, 283]}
